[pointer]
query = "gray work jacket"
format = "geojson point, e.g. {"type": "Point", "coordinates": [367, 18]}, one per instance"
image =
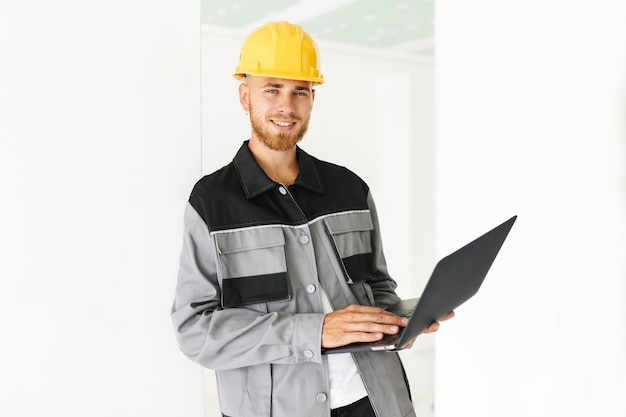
{"type": "Point", "coordinates": [247, 301]}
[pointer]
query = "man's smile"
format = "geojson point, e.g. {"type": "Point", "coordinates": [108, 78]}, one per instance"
{"type": "Point", "coordinates": [282, 123]}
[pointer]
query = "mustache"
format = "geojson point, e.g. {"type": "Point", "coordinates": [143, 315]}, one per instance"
{"type": "Point", "coordinates": [282, 118]}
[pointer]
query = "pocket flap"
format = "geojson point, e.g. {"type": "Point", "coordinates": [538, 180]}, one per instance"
{"type": "Point", "coordinates": [352, 222]}
{"type": "Point", "coordinates": [249, 239]}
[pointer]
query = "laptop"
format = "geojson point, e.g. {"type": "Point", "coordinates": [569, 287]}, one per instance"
{"type": "Point", "coordinates": [455, 279]}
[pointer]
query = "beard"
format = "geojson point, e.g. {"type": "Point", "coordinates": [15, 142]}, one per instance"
{"type": "Point", "coordinates": [277, 141]}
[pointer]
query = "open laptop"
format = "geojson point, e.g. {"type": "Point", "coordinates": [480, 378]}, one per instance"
{"type": "Point", "coordinates": [455, 279]}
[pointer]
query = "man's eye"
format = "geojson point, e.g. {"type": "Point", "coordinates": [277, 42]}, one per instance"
{"type": "Point", "coordinates": [301, 93]}
{"type": "Point", "coordinates": [272, 91]}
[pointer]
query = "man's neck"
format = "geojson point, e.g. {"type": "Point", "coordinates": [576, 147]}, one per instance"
{"type": "Point", "coordinates": [280, 166]}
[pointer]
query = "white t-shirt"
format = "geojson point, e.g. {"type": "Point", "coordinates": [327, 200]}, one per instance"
{"type": "Point", "coordinates": [346, 385]}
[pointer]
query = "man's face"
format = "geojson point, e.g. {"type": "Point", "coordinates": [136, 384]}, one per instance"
{"type": "Point", "coordinates": [279, 110]}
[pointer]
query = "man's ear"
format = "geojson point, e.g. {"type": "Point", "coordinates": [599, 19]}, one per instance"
{"type": "Point", "coordinates": [244, 96]}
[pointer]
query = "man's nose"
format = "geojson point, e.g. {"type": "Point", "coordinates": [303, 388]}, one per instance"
{"type": "Point", "coordinates": [286, 104]}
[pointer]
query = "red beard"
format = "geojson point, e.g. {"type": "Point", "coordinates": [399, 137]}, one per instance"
{"type": "Point", "coordinates": [278, 141]}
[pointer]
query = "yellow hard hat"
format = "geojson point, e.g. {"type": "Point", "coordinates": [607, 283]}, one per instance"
{"type": "Point", "coordinates": [280, 50]}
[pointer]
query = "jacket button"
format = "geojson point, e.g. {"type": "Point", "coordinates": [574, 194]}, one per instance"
{"type": "Point", "coordinates": [311, 288]}
{"type": "Point", "coordinates": [282, 190]}
{"type": "Point", "coordinates": [321, 398]}
{"type": "Point", "coordinates": [308, 354]}
{"type": "Point", "coordinates": [304, 239]}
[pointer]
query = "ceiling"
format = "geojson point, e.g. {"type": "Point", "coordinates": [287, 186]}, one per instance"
{"type": "Point", "coordinates": [405, 26]}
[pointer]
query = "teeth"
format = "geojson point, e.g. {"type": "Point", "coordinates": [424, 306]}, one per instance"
{"type": "Point", "coordinates": [283, 124]}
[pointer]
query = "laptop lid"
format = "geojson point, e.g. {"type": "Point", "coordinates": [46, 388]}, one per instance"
{"type": "Point", "coordinates": [454, 280]}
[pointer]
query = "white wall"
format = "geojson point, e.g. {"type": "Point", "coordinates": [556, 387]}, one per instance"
{"type": "Point", "coordinates": [99, 148]}
{"type": "Point", "coordinates": [531, 121]}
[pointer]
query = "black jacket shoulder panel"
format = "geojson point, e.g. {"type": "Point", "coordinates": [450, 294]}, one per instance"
{"type": "Point", "coordinates": [322, 188]}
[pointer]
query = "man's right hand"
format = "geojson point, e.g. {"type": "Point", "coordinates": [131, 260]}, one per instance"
{"type": "Point", "coordinates": [358, 323]}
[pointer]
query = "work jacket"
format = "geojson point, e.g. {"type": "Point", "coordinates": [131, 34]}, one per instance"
{"type": "Point", "coordinates": [248, 302]}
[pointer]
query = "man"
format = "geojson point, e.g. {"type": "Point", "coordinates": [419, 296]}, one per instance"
{"type": "Point", "coordinates": [282, 257]}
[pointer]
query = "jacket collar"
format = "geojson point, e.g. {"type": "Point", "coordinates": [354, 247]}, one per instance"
{"type": "Point", "coordinates": [254, 180]}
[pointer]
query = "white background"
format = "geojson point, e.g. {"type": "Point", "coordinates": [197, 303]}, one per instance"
{"type": "Point", "coordinates": [100, 143]}
{"type": "Point", "coordinates": [531, 120]}
{"type": "Point", "coordinates": [100, 139]}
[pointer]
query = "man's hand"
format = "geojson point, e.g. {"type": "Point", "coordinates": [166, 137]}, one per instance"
{"type": "Point", "coordinates": [434, 326]}
{"type": "Point", "coordinates": [358, 323]}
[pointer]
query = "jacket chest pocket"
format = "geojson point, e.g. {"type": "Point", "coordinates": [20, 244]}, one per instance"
{"type": "Point", "coordinates": [352, 240]}
{"type": "Point", "coordinates": [252, 266]}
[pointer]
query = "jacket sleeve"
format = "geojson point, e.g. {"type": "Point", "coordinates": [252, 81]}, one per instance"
{"type": "Point", "coordinates": [230, 338]}
{"type": "Point", "coordinates": [382, 285]}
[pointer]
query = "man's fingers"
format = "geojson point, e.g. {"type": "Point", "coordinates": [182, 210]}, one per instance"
{"type": "Point", "coordinates": [364, 322]}
{"type": "Point", "coordinates": [357, 323]}
{"type": "Point", "coordinates": [434, 326]}
{"type": "Point", "coordinates": [447, 316]}
{"type": "Point", "coordinates": [359, 313]}
{"type": "Point", "coordinates": [370, 327]}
